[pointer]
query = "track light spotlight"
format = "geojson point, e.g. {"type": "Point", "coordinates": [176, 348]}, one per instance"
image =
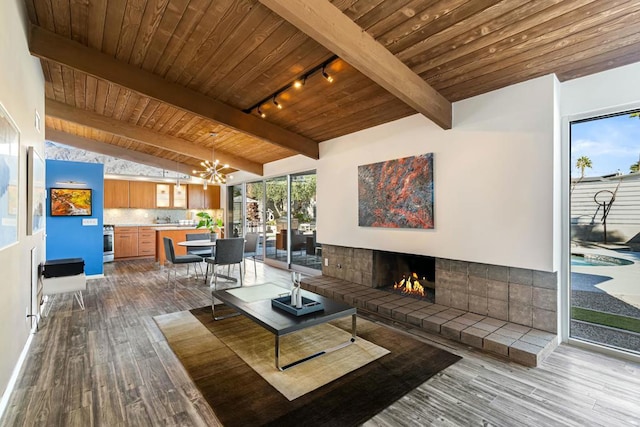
{"type": "Point", "coordinates": [276, 103]}
{"type": "Point", "coordinates": [261, 113]}
{"type": "Point", "coordinates": [327, 76]}
{"type": "Point", "coordinates": [299, 83]}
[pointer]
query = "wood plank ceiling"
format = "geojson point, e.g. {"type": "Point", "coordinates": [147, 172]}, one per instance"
{"type": "Point", "coordinates": [182, 69]}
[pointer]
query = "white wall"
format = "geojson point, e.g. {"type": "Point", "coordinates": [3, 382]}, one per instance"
{"type": "Point", "coordinates": [609, 91]}
{"type": "Point", "coordinates": [21, 93]}
{"type": "Point", "coordinates": [494, 180]}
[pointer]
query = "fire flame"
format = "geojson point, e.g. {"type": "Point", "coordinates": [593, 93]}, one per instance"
{"type": "Point", "coordinates": [410, 286]}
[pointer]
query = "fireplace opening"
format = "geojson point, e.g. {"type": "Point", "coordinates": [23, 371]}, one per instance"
{"type": "Point", "coordinates": [405, 274]}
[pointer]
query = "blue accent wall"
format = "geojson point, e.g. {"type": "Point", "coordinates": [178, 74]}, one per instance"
{"type": "Point", "coordinates": [66, 236]}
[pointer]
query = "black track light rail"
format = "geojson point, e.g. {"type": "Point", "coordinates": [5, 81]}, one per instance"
{"type": "Point", "coordinates": [303, 78]}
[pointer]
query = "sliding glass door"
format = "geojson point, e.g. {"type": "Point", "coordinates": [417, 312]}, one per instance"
{"type": "Point", "coordinates": [254, 208]}
{"type": "Point", "coordinates": [235, 214]}
{"type": "Point", "coordinates": [304, 249]}
{"type": "Point", "coordinates": [605, 231]}
{"type": "Point", "coordinates": [276, 203]}
{"type": "Point", "coordinates": [282, 210]}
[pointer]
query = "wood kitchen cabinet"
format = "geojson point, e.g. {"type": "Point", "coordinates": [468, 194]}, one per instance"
{"type": "Point", "coordinates": [146, 241]}
{"type": "Point", "coordinates": [125, 242]}
{"type": "Point", "coordinates": [212, 197]}
{"type": "Point", "coordinates": [199, 198]}
{"type": "Point", "coordinates": [132, 242]}
{"type": "Point", "coordinates": [195, 197]}
{"type": "Point", "coordinates": [142, 195]}
{"type": "Point", "coordinates": [116, 193]}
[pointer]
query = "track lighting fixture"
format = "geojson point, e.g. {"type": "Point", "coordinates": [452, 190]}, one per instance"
{"type": "Point", "coordinates": [297, 84]}
{"type": "Point", "coordinates": [326, 76]}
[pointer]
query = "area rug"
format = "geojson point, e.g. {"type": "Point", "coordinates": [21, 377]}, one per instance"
{"type": "Point", "coordinates": [240, 396]}
{"type": "Point", "coordinates": [255, 346]}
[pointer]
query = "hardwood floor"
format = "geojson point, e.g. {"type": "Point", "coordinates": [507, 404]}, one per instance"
{"type": "Point", "coordinates": [110, 365]}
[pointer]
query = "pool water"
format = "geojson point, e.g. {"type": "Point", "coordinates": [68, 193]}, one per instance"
{"type": "Point", "coordinates": [598, 261]}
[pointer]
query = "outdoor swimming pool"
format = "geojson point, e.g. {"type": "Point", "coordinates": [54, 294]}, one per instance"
{"type": "Point", "coordinates": [591, 260]}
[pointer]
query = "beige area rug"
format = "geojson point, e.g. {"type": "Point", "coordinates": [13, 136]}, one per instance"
{"type": "Point", "coordinates": [241, 397]}
{"type": "Point", "coordinates": [255, 346]}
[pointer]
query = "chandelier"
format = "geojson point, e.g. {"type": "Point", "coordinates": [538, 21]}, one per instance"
{"type": "Point", "coordinates": [212, 172]}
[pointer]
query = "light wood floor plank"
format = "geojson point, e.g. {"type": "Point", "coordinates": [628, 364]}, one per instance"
{"type": "Point", "coordinates": [111, 365]}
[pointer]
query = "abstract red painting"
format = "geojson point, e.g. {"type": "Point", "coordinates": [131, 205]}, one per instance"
{"type": "Point", "coordinates": [396, 193]}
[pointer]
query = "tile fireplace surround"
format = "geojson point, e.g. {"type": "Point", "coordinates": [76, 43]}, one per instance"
{"type": "Point", "coordinates": [517, 299]}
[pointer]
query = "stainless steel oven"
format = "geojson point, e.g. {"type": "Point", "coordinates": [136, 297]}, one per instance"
{"type": "Point", "coordinates": [108, 252]}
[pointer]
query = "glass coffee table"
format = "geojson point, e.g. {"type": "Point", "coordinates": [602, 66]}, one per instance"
{"type": "Point", "coordinates": [254, 302]}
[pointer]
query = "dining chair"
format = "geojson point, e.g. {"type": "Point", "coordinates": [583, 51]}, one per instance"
{"type": "Point", "coordinates": [174, 259]}
{"type": "Point", "coordinates": [250, 250]}
{"type": "Point", "coordinates": [228, 252]}
{"type": "Point", "coordinates": [201, 252]}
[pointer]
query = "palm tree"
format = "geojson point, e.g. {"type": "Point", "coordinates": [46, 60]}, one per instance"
{"type": "Point", "coordinates": [635, 167]}
{"type": "Point", "coordinates": [582, 163]}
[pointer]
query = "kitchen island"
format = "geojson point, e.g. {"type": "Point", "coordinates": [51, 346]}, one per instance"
{"type": "Point", "coordinates": [177, 234]}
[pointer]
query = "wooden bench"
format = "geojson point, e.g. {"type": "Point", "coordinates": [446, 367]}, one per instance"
{"type": "Point", "coordinates": [521, 344]}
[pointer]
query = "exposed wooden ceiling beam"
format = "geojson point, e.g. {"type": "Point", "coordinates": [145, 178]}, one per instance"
{"type": "Point", "coordinates": [100, 147]}
{"type": "Point", "coordinates": [327, 25]}
{"type": "Point", "coordinates": [143, 135]}
{"type": "Point", "coordinates": [47, 45]}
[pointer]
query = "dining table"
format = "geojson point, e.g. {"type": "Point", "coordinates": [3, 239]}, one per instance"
{"type": "Point", "coordinates": [200, 243]}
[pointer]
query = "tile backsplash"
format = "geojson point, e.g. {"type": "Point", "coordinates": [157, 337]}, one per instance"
{"type": "Point", "coordinates": [153, 216]}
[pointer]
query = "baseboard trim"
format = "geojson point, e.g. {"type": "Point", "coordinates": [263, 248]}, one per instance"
{"type": "Point", "coordinates": [14, 376]}
{"type": "Point", "coordinates": [95, 276]}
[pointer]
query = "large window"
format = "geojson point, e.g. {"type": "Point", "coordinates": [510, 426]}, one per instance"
{"type": "Point", "coordinates": [605, 231]}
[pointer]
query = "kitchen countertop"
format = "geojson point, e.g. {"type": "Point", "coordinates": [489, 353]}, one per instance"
{"type": "Point", "coordinates": [159, 227]}
{"type": "Point", "coordinates": [175, 227]}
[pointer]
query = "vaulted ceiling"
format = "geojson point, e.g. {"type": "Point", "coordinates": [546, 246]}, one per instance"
{"type": "Point", "coordinates": [154, 78]}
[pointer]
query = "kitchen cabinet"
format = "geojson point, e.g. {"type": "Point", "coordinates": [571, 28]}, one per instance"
{"type": "Point", "coordinates": [179, 197]}
{"type": "Point", "coordinates": [125, 242]}
{"type": "Point", "coordinates": [169, 196]}
{"type": "Point", "coordinates": [199, 198]}
{"type": "Point", "coordinates": [142, 195]}
{"type": "Point", "coordinates": [131, 242]}
{"type": "Point", "coordinates": [146, 241]}
{"type": "Point", "coordinates": [116, 193]}
{"type": "Point", "coordinates": [212, 197]}
{"type": "Point", "coordinates": [195, 197]}
{"type": "Point", "coordinates": [163, 195]}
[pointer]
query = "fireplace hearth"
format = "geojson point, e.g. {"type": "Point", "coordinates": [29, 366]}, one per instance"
{"type": "Point", "coordinates": [405, 274]}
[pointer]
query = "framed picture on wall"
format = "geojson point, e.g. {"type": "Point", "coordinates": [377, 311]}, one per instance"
{"type": "Point", "coordinates": [9, 162]}
{"type": "Point", "coordinates": [396, 193]}
{"type": "Point", "coordinates": [36, 192]}
{"type": "Point", "coordinates": [70, 202]}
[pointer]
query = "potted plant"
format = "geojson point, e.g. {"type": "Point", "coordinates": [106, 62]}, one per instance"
{"type": "Point", "coordinates": [212, 224]}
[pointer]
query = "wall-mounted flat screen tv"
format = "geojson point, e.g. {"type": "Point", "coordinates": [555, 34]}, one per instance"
{"type": "Point", "coordinates": [70, 202]}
